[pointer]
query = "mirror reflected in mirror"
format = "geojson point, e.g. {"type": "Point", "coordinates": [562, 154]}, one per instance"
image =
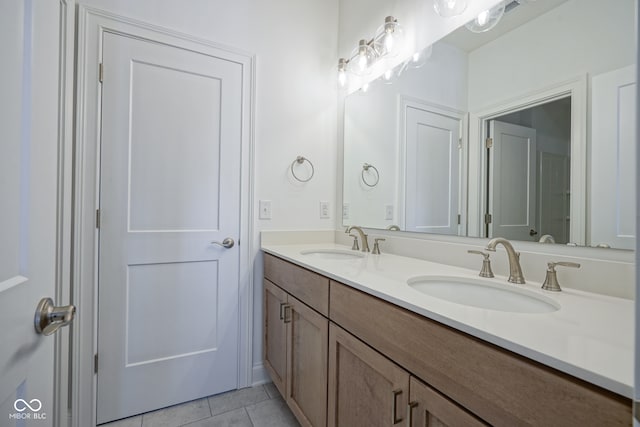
{"type": "Point", "coordinates": [525, 131]}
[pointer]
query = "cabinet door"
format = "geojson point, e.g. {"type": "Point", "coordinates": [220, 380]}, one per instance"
{"type": "Point", "coordinates": [307, 351]}
{"type": "Point", "coordinates": [365, 388]}
{"type": "Point", "coordinates": [275, 334]}
{"type": "Point", "coordinates": [428, 408]}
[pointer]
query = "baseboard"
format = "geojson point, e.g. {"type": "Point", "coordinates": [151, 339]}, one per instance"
{"type": "Point", "coordinates": [259, 375]}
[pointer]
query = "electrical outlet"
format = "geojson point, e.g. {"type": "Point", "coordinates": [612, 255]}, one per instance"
{"type": "Point", "coordinates": [324, 210]}
{"type": "Point", "coordinates": [388, 212]}
{"type": "Point", "coordinates": [345, 211]}
{"type": "Point", "coordinates": [265, 209]}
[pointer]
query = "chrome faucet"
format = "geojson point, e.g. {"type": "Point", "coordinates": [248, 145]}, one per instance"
{"type": "Point", "coordinates": [515, 271]}
{"type": "Point", "coordinates": [363, 237]}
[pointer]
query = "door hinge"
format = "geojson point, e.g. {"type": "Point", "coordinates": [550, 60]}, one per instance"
{"type": "Point", "coordinates": [97, 218]}
{"type": "Point", "coordinates": [460, 143]}
{"type": "Point", "coordinates": [488, 142]}
{"type": "Point", "coordinates": [487, 218]}
{"type": "Point", "coordinates": [100, 72]}
{"type": "Point", "coordinates": [95, 363]}
{"type": "Point", "coordinates": [459, 219]}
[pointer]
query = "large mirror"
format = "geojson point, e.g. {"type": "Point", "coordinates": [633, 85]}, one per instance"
{"type": "Point", "coordinates": [526, 131]}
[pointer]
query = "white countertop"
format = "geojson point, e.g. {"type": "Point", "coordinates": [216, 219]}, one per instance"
{"type": "Point", "coordinates": [589, 337]}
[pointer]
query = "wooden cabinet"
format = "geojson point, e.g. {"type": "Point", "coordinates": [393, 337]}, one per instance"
{"type": "Point", "coordinates": [365, 388]}
{"type": "Point", "coordinates": [275, 335]}
{"type": "Point", "coordinates": [296, 338]}
{"type": "Point", "coordinates": [428, 408]}
{"type": "Point", "coordinates": [342, 357]}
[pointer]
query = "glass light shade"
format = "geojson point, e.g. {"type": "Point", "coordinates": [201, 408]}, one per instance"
{"type": "Point", "coordinates": [486, 19]}
{"type": "Point", "coordinates": [388, 77]}
{"type": "Point", "coordinates": [361, 60]}
{"type": "Point", "coordinates": [391, 37]}
{"type": "Point", "coordinates": [342, 73]}
{"type": "Point", "coordinates": [449, 8]}
{"type": "Point", "coordinates": [420, 58]}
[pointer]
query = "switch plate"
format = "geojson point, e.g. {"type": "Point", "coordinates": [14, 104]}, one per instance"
{"type": "Point", "coordinates": [324, 210]}
{"type": "Point", "coordinates": [388, 212]}
{"type": "Point", "coordinates": [265, 209]}
{"type": "Point", "coordinates": [345, 211]}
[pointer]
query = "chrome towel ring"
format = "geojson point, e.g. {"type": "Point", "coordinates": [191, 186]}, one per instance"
{"type": "Point", "coordinates": [300, 160]}
{"type": "Point", "coordinates": [365, 168]}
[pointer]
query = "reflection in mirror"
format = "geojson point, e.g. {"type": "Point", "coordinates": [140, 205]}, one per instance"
{"type": "Point", "coordinates": [526, 131]}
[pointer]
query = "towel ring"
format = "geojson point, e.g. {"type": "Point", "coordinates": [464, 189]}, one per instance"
{"type": "Point", "coordinates": [300, 160]}
{"type": "Point", "coordinates": [365, 168]}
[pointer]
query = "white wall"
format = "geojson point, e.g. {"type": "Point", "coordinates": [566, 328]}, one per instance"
{"type": "Point", "coordinates": [565, 43]}
{"type": "Point", "coordinates": [295, 44]}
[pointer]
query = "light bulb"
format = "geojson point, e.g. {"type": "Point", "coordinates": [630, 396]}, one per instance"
{"type": "Point", "coordinates": [342, 78]}
{"type": "Point", "coordinates": [449, 8]}
{"type": "Point", "coordinates": [387, 77]}
{"type": "Point", "coordinates": [487, 19]}
{"type": "Point", "coordinates": [388, 42]}
{"type": "Point", "coordinates": [483, 17]}
{"type": "Point", "coordinates": [365, 87]}
{"type": "Point", "coordinates": [362, 58]}
{"type": "Point", "coordinates": [342, 73]}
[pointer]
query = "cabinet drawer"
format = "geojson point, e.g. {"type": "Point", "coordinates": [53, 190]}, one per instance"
{"type": "Point", "coordinates": [500, 387]}
{"type": "Point", "coordinates": [305, 285]}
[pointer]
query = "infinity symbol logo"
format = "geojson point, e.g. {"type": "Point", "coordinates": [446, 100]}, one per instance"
{"type": "Point", "coordinates": [37, 405]}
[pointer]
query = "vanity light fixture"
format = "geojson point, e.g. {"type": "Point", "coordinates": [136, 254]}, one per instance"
{"type": "Point", "coordinates": [391, 36]}
{"type": "Point", "coordinates": [387, 42]}
{"type": "Point", "coordinates": [449, 8]}
{"type": "Point", "coordinates": [487, 19]}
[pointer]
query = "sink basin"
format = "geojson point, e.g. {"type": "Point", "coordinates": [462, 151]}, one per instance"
{"type": "Point", "coordinates": [483, 294]}
{"type": "Point", "coordinates": [333, 254]}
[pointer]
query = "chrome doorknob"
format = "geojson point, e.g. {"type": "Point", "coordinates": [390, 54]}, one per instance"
{"type": "Point", "coordinates": [50, 318]}
{"type": "Point", "coordinates": [226, 243]}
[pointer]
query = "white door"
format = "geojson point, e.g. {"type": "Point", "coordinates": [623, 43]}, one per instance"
{"type": "Point", "coordinates": [613, 145]}
{"type": "Point", "coordinates": [512, 181]}
{"type": "Point", "coordinates": [432, 172]}
{"type": "Point", "coordinates": [29, 138]}
{"type": "Point", "coordinates": [169, 187]}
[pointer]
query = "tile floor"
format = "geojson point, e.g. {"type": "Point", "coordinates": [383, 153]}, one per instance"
{"type": "Point", "coordinates": [260, 406]}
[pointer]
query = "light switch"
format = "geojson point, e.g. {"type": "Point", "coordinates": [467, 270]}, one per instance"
{"type": "Point", "coordinates": [388, 212]}
{"type": "Point", "coordinates": [265, 209]}
{"type": "Point", "coordinates": [324, 210]}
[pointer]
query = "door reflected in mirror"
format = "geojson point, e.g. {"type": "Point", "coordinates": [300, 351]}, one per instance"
{"type": "Point", "coordinates": [526, 132]}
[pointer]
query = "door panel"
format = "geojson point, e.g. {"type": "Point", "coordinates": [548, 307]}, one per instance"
{"type": "Point", "coordinates": [31, 143]}
{"type": "Point", "coordinates": [432, 172]}
{"type": "Point", "coordinates": [613, 176]}
{"type": "Point", "coordinates": [169, 187]}
{"type": "Point", "coordinates": [307, 362]}
{"type": "Point", "coordinates": [512, 181]}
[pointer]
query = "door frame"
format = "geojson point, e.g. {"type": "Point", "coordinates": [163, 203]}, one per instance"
{"type": "Point", "coordinates": [92, 23]}
{"type": "Point", "coordinates": [575, 88]}
{"type": "Point", "coordinates": [404, 102]}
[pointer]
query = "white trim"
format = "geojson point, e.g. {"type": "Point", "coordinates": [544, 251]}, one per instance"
{"type": "Point", "coordinates": [260, 375]}
{"type": "Point", "coordinates": [478, 125]}
{"type": "Point", "coordinates": [62, 344]}
{"type": "Point", "coordinates": [92, 23]}
{"type": "Point", "coordinates": [405, 101]}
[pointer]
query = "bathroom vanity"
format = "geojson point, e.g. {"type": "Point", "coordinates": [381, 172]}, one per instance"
{"type": "Point", "coordinates": [347, 342]}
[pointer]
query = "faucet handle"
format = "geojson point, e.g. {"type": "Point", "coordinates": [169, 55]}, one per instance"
{"type": "Point", "coordinates": [355, 246]}
{"type": "Point", "coordinates": [551, 280]}
{"type": "Point", "coordinates": [552, 265]}
{"type": "Point", "coordinates": [376, 245]}
{"type": "Point", "coordinates": [486, 264]}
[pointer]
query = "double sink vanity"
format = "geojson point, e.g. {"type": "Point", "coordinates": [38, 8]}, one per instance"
{"type": "Point", "coordinates": [355, 338]}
